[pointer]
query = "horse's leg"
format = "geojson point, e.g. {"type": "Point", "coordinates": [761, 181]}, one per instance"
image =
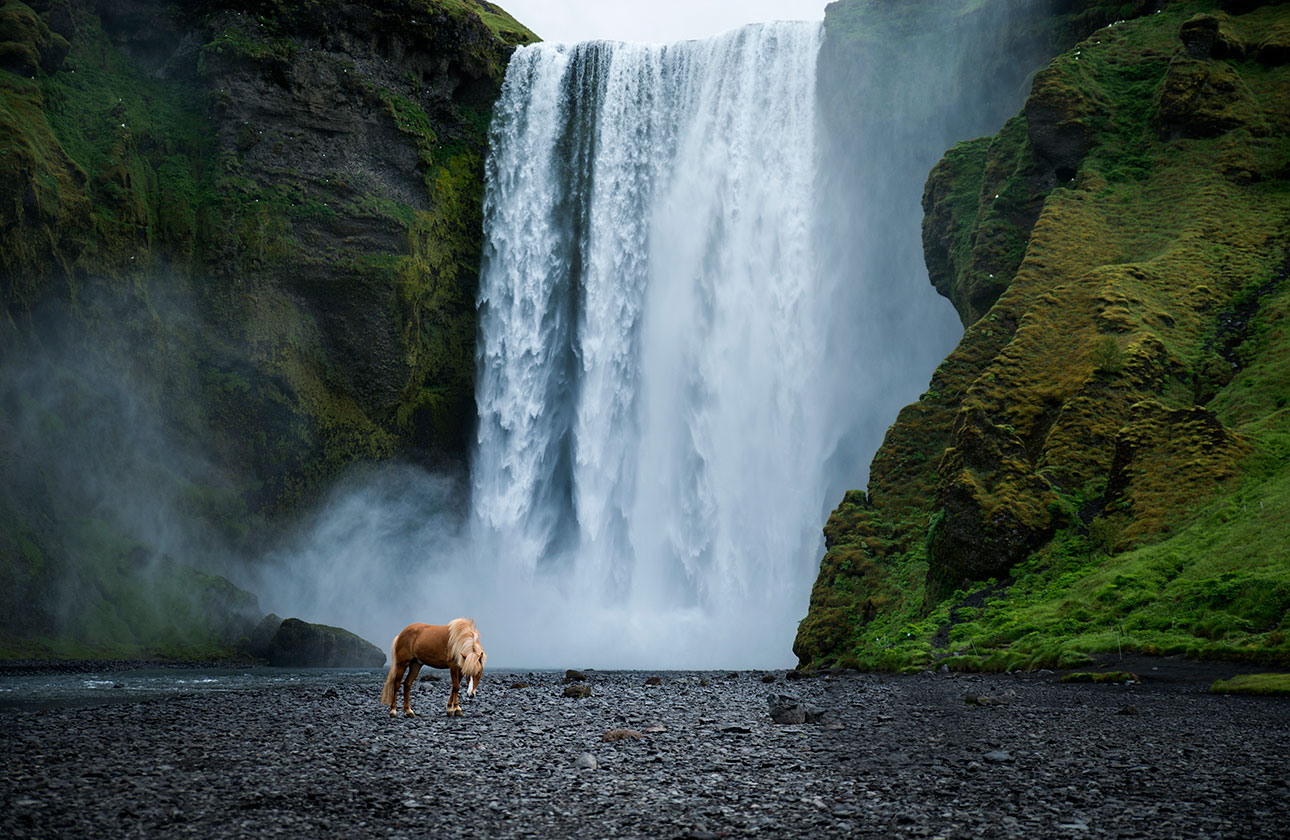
{"type": "Point", "coordinates": [454, 705]}
{"type": "Point", "coordinates": [414, 668]}
{"type": "Point", "coordinates": [396, 676]}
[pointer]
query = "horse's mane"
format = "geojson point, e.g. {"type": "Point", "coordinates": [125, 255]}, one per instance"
{"type": "Point", "coordinates": [464, 646]}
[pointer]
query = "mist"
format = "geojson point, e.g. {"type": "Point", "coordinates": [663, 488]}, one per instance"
{"type": "Point", "coordinates": [113, 488]}
{"type": "Point", "coordinates": [702, 303]}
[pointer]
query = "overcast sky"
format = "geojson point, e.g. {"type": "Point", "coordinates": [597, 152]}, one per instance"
{"type": "Point", "coordinates": [658, 21]}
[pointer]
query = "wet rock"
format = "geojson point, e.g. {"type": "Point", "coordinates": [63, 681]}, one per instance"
{"type": "Point", "coordinates": [786, 709]}
{"type": "Point", "coordinates": [827, 718]}
{"type": "Point", "coordinates": [997, 756]}
{"type": "Point", "coordinates": [299, 644]}
{"type": "Point", "coordinates": [986, 699]}
{"type": "Point", "coordinates": [577, 691]}
{"type": "Point", "coordinates": [257, 644]}
{"type": "Point", "coordinates": [621, 735]}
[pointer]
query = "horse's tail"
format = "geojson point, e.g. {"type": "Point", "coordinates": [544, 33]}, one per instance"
{"type": "Point", "coordinates": [390, 691]}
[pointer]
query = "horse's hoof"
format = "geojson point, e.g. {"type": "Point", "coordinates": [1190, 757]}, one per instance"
{"type": "Point", "coordinates": [409, 713]}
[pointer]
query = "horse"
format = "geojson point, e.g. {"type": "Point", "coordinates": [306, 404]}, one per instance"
{"type": "Point", "coordinates": [454, 646]}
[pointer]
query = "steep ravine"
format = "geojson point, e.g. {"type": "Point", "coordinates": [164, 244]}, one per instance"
{"type": "Point", "coordinates": [1102, 464]}
{"type": "Point", "coordinates": [239, 247]}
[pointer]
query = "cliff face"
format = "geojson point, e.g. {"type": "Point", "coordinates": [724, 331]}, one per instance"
{"type": "Point", "coordinates": [1101, 464]}
{"type": "Point", "coordinates": [245, 223]}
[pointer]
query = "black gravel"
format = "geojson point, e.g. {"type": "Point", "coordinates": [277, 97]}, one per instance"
{"type": "Point", "coordinates": [1030, 757]}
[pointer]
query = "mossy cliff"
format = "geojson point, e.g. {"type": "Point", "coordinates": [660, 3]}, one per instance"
{"type": "Point", "coordinates": [249, 224]}
{"type": "Point", "coordinates": [1103, 463]}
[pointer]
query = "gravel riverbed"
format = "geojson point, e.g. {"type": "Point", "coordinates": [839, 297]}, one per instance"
{"type": "Point", "coordinates": [1025, 756]}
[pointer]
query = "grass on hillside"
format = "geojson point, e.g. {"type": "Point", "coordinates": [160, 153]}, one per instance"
{"type": "Point", "coordinates": [1194, 556]}
{"type": "Point", "coordinates": [1254, 684]}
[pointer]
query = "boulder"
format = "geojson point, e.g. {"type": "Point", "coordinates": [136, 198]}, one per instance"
{"type": "Point", "coordinates": [257, 644]}
{"type": "Point", "coordinates": [786, 709]}
{"type": "Point", "coordinates": [299, 644]}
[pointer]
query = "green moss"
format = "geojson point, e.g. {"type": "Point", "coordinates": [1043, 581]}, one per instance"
{"type": "Point", "coordinates": [1266, 685]}
{"type": "Point", "coordinates": [1150, 523]}
{"type": "Point", "coordinates": [1101, 677]}
{"type": "Point", "coordinates": [180, 254]}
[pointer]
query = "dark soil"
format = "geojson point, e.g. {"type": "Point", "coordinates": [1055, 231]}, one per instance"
{"type": "Point", "coordinates": [1027, 757]}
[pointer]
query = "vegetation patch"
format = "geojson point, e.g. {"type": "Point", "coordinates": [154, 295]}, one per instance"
{"type": "Point", "coordinates": [1101, 677]}
{"type": "Point", "coordinates": [1121, 488]}
{"type": "Point", "coordinates": [1263, 685]}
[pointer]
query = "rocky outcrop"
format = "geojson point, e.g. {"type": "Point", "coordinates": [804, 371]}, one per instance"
{"type": "Point", "coordinates": [1106, 250]}
{"type": "Point", "coordinates": [243, 238]}
{"type": "Point", "coordinates": [299, 644]}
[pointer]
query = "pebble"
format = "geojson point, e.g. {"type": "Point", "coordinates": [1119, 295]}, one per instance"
{"type": "Point", "coordinates": [912, 761]}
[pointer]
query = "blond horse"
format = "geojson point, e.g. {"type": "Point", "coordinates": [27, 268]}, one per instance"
{"type": "Point", "coordinates": [454, 646]}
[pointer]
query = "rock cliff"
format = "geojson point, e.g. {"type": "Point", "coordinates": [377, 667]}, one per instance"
{"type": "Point", "coordinates": [1101, 464]}
{"type": "Point", "coordinates": [239, 242]}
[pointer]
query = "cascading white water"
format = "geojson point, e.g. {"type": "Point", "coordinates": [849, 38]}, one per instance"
{"type": "Point", "coordinates": [654, 393]}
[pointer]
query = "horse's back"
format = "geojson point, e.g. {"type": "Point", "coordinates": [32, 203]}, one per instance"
{"type": "Point", "coordinates": [427, 643]}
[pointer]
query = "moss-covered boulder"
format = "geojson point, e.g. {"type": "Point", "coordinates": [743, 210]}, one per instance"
{"type": "Point", "coordinates": [299, 644]}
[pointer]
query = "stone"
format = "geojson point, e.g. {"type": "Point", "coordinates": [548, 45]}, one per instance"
{"type": "Point", "coordinates": [822, 717]}
{"type": "Point", "coordinates": [786, 709]}
{"type": "Point", "coordinates": [653, 681]}
{"type": "Point", "coordinates": [587, 761]}
{"type": "Point", "coordinates": [621, 735]}
{"type": "Point", "coordinates": [997, 756]}
{"type": "Point", "coordinates": [257, 644]}
{"type": "Point", "coordinates": [577, 691]}
{"type": "Point", "coordinates": [986, 700]}
{"type": "Point", "coordinates": [299, 644]}
{"type": "Point", "coordinates": [574, 676]}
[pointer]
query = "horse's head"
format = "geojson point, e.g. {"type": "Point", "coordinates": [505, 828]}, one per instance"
{"type": "Point", "coordinates": [472, 667]}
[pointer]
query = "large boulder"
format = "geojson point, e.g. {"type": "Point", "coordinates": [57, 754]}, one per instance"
{"type": "Point", "coordinates": [299, 644]}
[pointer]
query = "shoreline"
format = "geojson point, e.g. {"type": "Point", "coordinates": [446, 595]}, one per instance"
{"type": "Point", "coordinates": [955, 756]}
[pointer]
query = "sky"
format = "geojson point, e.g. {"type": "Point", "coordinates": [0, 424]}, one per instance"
{"type": "Point", "coordinates": [656, 21]}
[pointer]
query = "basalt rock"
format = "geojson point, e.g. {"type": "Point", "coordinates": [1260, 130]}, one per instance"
{"type": "Point", "coordinates": [299, 644]}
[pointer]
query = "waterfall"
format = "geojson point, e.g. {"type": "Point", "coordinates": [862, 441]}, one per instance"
{"type": "Point", "coordinates": [657, 381]}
